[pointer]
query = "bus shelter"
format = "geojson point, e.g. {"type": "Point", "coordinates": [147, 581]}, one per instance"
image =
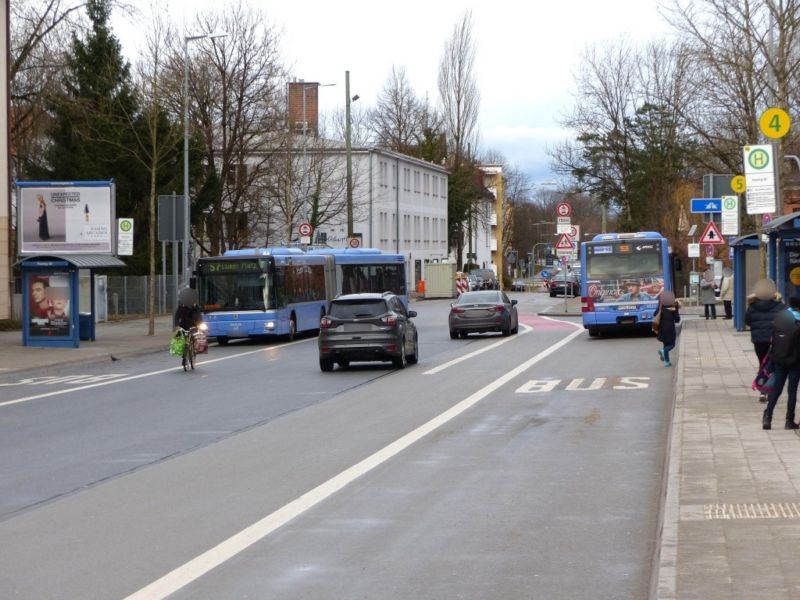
{"type": "Point", "coordinates": [746, 271]}
{"type": "Point", "coordinates": [783, 253]}
{"type": "Point", "coordinates": [51, 314]}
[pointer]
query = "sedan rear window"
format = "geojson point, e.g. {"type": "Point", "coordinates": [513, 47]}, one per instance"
{"type": "Point", "coordinates": [479, 298]}
{"type": "Point", "coordinates": [355, 309]}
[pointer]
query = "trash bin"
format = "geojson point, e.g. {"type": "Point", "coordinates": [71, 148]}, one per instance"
{"type": "Point", "coordinates": [85, 323]}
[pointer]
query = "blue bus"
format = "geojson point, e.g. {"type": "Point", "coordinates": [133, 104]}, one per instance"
{"type": "Point", "coordinates": [367, 270]}
{"type": "Point", "coordinates": [622, 276]}
{"type": "Point", "coordinates": [264, 292]}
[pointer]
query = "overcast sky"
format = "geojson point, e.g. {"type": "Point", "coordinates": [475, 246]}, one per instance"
{"type": "Point", "coordinates": [527, 53]}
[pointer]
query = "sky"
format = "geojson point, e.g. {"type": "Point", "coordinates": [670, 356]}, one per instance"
{"type": "Point", "coordinates": [527, 54]}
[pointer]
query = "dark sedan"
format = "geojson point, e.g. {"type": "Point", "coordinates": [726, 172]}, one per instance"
{"type": "Point", "coordinates": [565, 284]}
{"type": "Point", "coordinates": [477, 312]}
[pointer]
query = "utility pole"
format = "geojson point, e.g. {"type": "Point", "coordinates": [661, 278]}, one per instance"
{"type": "Point", "coordinates": [349, 155]}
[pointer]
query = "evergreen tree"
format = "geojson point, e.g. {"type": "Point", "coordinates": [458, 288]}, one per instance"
{"type": "Point", "coordinates": [91, 122]}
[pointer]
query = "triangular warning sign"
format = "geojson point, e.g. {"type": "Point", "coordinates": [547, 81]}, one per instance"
{"type": "Point", "coordinates": [712, 235]}
{"type": "Point", "coordinates": [564, 243]}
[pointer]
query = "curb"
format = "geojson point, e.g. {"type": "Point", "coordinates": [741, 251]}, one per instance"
{"type": "Point", "coordinates": [88, 360]}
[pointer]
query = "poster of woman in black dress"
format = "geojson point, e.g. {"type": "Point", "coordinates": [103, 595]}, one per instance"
{"type": "Point", "coordinates": [44, 229]}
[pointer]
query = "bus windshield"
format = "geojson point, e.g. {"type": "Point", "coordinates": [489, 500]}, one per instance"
{"type": "Point", "coordinates": [236, 291]}
{"type": "Point", "coordinates": [615, 266]}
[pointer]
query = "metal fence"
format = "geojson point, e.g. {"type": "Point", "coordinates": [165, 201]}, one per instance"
{"type": "Point", "coordinates": [128, 295]}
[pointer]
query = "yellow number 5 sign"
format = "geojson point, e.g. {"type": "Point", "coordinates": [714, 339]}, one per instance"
{"type": "Point", "coordinates": [775, 123]}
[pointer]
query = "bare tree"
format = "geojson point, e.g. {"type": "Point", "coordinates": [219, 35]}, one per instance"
{"type": "Point", "coordinates": [396, 120]}
{"type": "Point", "coordinates": [237, 108]}
{"type": "Point", "coordinates": [458, 90]}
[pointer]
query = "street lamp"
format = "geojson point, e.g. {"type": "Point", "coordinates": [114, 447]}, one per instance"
{"type": "Point", "coordinates": [187, 268]}
{"type": "Point", "coordinates": [348, 147]}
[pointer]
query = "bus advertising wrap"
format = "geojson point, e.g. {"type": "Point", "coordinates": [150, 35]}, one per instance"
{"type": "Point", "coordinates": [635, 289]}
{"type": "Point", "coordinates": [71, 219]}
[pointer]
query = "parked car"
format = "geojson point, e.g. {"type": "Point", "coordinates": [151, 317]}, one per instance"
{"type": "Point", "coordinates": [477, 312]}
{"type": "Point", "coordinates": [518, 285]}
{"type": "Point", "coordinates": [565, 284]}
{"type": "Point", "coordinates": [475, 283]}
{"type": "Point", "coordinates": [367, 327]}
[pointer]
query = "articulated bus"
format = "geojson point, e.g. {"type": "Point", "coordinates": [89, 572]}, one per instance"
{"type": "Point", "coordinates": [622, 276]}
{"type": "Point", "coordinates": [264, 292]}
{"type": "Point", "coordinates": [367, 270]}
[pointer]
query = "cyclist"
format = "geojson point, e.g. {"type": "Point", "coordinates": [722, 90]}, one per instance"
{"type": "Point", "coordinates": [187, 315]}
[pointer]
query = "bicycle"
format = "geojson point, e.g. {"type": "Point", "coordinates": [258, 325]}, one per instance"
{"type": "Point", "coordinates": [187, 360]}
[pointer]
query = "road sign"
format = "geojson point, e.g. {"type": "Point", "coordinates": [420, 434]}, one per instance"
{"type": "Point", "coordinates": [711, 235]}
{"type": "Point", "coordinates": [730, 215]}
{"type": "Point", "coordinates": [739, 184]}
{"type": "Point", "coordinates": [563, 224]}
{"type": "Point", "coordinates": [692, 229]}
{"type": "Point", "coordinates": [709, 250]}
{"type": "Point", "coordinates": [545, 274]}
{"type": "Point", "coordinates": [694, 250]}
{"type": "Point", "coordinates": [305, 229]}
{"type": "Point", "coordinates": [760, 179]}
{"type": "Point", "coordinates": [353, 242]}
{"type": "Point", "coordinates": [564, 242]}
{"type": "Point", "coordinates": [774, 123]}
{"type": "Point", "coordinates": [564, 210]}
{"type": "Point", "coordinates": [706, 205]}
{"type": "Point", "coordinates": [564, 260]}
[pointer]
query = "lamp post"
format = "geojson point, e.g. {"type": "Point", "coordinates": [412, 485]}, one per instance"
{"type": "Point", "coordinates": [348, 148]}
{"type": "Point", "coordinates": [187, 269]}
{"type": "Point", "coordinates": [539, 237]}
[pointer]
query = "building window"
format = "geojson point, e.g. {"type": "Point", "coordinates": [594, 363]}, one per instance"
{"type": "Point", "coordinates": [394, 177]}
{"type": "Point", "coordinates": [427, 231]}
{"type": "Point", "coordinates": [444, 187]}
{"type": "Point", "coordinates": [416, 231]}
{"type": "Point", "coordinates": [416, 182]}
{"type": "Point", "coordinates": [407, 180]}
{"type": "Point", "coordinates": [407, 229]}
{"type": "Point", "coordinates": [435, 186]}
{"type": "Point", "coordinates": [427, 184]}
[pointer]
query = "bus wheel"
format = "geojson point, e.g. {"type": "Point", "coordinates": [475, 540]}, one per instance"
{"type": "Point", "coordinates": [292, 329]}
{"type": "Point", "coordinates": [593, 332]}
{"type": "Point", "coordinates": [222, 340]}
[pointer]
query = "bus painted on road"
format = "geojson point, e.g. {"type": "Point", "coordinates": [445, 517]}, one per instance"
{"type": "Point", "coordinates": [261, 292]}
{"type": "Point", "coordinates": [367, 270]}
{"type": "Point", "coordinates": [622, 277]}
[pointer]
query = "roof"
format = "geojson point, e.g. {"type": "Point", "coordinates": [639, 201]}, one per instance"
{"type": "Point", "coordinates": [82, 261]}
{"type": "Point", "coordinates": [745, 240]}
{"type": "Point", "coordinates": [784, 222]}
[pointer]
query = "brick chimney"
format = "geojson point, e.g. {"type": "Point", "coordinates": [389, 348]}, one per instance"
{"type": "Point", "coordinates": [296, 114]}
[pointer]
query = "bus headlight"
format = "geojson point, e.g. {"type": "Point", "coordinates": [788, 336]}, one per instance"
{"type": "Point", "coordinates": [269, 325]}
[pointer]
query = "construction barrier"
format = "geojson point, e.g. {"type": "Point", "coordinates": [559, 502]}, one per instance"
{"type": "Point", "coordinates": [462, 285]}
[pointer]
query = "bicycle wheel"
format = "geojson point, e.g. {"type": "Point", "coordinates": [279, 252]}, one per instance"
{"type": "Point", "coordinates": [185, 360]}
{"type": "Point", "coordinates": [191, 352]}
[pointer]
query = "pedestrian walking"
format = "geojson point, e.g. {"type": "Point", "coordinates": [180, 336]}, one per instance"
{"type": "Point", "coordinates": [762, 306]}
{"type": "Point", "coordinates": [726, 291]}
{"type": "Point", "coordinates": [667, 317]}
{"type": "Point", "coordinates": [784, 355]}
{"type": "Point", "coordinates": [707, 296]}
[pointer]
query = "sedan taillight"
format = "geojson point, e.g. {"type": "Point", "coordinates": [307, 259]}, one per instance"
{"type": "Point", "coordinates": [325, 322]}
{"type": "Point", "coordinates": [498, 308]}
{"type": "Point", "coordinates": [457, 311]}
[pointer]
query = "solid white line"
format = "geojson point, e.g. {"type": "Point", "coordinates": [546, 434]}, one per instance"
{"type": "Point", "coordinates": [455, 361]}
{"type": "Point", "coordinates": [148, 374]}
{"type": "Point", "coordinates": [576, 325]}
{"type": "Point", "coordinates": [212, 558]}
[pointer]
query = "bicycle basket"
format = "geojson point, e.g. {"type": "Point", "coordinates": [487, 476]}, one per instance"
{"type": "Point", "coordinates": [176, 345]}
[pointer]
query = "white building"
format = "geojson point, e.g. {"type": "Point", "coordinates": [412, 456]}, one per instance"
{"type": "Point", "coordinates": [400, 206]}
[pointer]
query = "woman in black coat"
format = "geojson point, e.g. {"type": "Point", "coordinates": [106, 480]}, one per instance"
{"type": "Point", "coordinates": [762, 307]}
{"type": "Point", "coordinates": [667, 331]}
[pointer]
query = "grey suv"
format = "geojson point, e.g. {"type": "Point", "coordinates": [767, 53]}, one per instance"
{"type": "Point", "coordinates": [367, 327]}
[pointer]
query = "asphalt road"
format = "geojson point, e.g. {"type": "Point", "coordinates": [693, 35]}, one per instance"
{"type": "Point", "coordinates": [521, 467]}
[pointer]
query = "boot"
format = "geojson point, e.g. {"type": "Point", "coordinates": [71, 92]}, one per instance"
{"type": "Point", "coordinates": [790, 424]}
{"type": "Point", "coordinates": [766, 421]}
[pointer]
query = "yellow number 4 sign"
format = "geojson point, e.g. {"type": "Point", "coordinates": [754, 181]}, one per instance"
{"type": "Point", "coordinates": [775, 123]}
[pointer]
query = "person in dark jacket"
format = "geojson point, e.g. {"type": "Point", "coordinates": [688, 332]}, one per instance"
{"type": "Point", "coordinates": [187, 315]}
{"type": "Point", "coordinates": [784, 356]}
{"type": "Point", "coordinates": [762, 307]}
{"type": "Point", "coordinates": [668, 309]}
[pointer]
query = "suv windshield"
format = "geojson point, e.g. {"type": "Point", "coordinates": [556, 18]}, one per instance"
{"type": "Point", "coordinates": [355, 309]}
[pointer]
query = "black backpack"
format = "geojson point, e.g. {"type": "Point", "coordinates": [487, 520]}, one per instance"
{"type": "Point", "coordinates": [785, 349]}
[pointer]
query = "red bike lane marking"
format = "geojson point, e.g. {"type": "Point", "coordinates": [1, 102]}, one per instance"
{"type": "Point", "coordinates": [541, 323]}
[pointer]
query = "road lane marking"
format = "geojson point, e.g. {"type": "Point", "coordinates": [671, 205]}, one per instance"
{"type": "Point", "coordinates": [189, 572]}
{"type": "Point", "coordinates": [538, 386]}
{"type": "Point", "coordinates": [148, 374]}
{"type": "Point", "coordinates": [455, 361]}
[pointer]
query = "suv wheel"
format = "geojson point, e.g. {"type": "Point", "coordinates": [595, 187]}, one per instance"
{"type": "Point", "coordinates": [414, 358]}
{"type": "Point", "coordinates": [400, 361]}
{"type": "Point", "coordinates": [326, 365]}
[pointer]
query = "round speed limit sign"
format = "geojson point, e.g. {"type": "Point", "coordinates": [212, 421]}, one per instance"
{"type": "Point", "coordinates": [305, 229]}
{"type": "Point", "coordinates": [354, 242]}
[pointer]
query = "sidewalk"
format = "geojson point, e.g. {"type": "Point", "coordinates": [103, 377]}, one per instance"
{"type": "Point", "coordinates": [118, 339]}
{"type": "Point", "coordinates": [731, 520]}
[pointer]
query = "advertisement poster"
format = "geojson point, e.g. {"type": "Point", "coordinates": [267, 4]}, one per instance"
{"type": "Point", "coordinates": [791, 265]}
{"type": "Point", "coordinates": [49, 305]}
{"type": "Point", "coordinates": [68, 219]}
{"type": "Point", "coordinates": [640, 289]}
